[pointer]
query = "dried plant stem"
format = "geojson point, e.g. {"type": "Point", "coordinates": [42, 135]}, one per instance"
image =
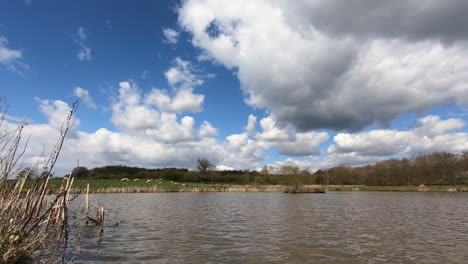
{"type": "Point", "coordinates": [33, 225]}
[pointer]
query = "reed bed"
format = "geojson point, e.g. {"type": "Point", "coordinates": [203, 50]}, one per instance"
{"type": "Point", "coordinates": [161, 186]}
{"type": "Point", "coordinates": [405, 188]}
{"type": "Point", "coordinates": [186, 188]}
{"type": "Point", "coordinates": [33, 224]}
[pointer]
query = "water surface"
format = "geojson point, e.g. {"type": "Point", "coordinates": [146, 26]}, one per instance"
{"type": "Point", "coordinates": [336, 227]}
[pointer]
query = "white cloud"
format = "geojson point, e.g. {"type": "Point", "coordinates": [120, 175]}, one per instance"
{"type": "Point", "coordinates": [287, 140]}
{"type": "Point", "coordinates": [206, 130]}
{"type": "Point", "coordinates": [272, 133]}
{"type": "Point", "coordinates": [350, 159]}
{"type": "Point", "coordinates": [8, 55]}
{"type": "Point", "coordinates": [129, 114]}
{"type": "Point", "coordinates": [11, 58]}
{"type": "Point", "coordinates": [337, 72]}
{"type": "Point", "coordinates": [452, 142]}
{"type": "Point", "coordinates": [164, 140]}
{"type": "Point", "coordinates": [156, 114]}
{"type": "Point", "coordinates": [302, 164]}
{"type": "Point", "coordinates": [84, 52]}
{"type": "Point", "coordinates": [375, 142]}
{"type": "Point", "coordinates": [84, 95]}
{"type": "Point", "coordinates": [153, 138]}
{"type": "Point", "coordinates": [170, 36]}
{"type": "Point", "coordinates": [432, 125]}
{"type": "Point", "coordinates": [181, 75]}
{"type": "Point", "coordinates": [251, 123]}
{"type": "Point", "coordinates": [242, 152]}
{"type": "Point", "coordinates": [305, 144]}
{"type": "Point", "coordinates": [430, 135]}
{"type": "Point", "coordinates": [182, 81]}
{"type": "Point", "coordinates": [56, 112]}
{"type": "Point", "coordinates": [183, 101]}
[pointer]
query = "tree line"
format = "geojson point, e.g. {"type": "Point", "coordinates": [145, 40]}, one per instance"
{"type": "Point", "coordinates": [430, 169]}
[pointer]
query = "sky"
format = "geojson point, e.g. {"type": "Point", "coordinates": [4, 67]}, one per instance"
{"type": "Point", "coordinates": [314, 84]}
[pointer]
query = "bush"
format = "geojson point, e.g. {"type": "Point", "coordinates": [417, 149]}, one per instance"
{"type": "Point", "coordinates": [80, 172]}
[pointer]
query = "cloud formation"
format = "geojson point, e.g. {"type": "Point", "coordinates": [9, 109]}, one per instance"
{"type": "Point", "coordinates": [412, 20]}
{"type": "Point", "coordinates": [287, 140]}
{"type": "Point", "coordinates": [84, 52]}
{"type": "Point", "coordinates": [83, 94]}
{"type": "Point", "coordinates": [170, 36]}
{"type": "Point", "coordinates": [355, 65]}
{"type": "Point", "coordinates": [11, 58]}
{"type": "Point", "coordinates": [164, 140]}
{"type": "Point", "coordinates": [150, 137]}
{"type": "Point", "coordinates": [161, 139]}
{"type": "Point", "coordinates": [431, 134]}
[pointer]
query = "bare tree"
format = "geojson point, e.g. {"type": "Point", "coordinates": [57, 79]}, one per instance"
{"type": "Point", "coordinates": [204, 165]}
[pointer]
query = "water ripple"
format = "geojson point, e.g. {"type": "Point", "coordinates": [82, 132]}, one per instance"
{"type": "Point", "coordinates": [364, 227]}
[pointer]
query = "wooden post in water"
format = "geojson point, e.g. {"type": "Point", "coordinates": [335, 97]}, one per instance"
{"type": "Point", "coordinates": [87, 201]}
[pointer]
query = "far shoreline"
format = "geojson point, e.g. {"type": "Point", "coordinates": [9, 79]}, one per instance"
{"type": "Point", "coordinates": [161, 186]}
{"type": "Point", "coordinates": [164, 186]}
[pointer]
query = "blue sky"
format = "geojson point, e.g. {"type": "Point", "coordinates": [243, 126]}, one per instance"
{"type": "Point", "coordinates": [165, 82]}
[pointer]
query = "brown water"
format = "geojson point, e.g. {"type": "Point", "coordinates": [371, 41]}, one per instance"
{"type": "Point", "coordinates": [337, 227]}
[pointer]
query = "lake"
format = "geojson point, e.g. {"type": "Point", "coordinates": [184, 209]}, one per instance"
{"type": "Point", "coordinates": [336, 227]}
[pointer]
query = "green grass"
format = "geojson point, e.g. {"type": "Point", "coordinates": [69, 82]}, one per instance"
{"type": "Point", "coordinates": [141, 185]}
{"type": "Point", "coordinates": [96, 185]}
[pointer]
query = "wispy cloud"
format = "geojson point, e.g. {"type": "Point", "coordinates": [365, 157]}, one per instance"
{"type": "Point", "coordinates": [145, 74]}
{"type": "Point", "coordinates": [84, 52]}
{"type": "Point", "coordinates": [109, 23]}
{"type": "Point", "coordinates": [171, 36]}
{"type": "Point", "coordinates": [11, 58]}
{"type": "Point", "coordinates": [85, 97]}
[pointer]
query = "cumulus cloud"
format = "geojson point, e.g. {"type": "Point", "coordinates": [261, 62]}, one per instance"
{"type": "Point", "coordinates": [171, 36]}
{"type": "Point", "coordinates": [183, 80]}
{"type": "Point", "coordinates": [181, 75]}
{"type": "Point", "coordinates": [287, 140]}
{"type": "Point", "coordinates": [408, 19]}
{"type": "Point", "coordinates": [149, 137]}
{"type": "Point", "coordinates": [11, 58]}
{"type": "Point", "coordinates": [375, 142]}
{"type": "Point", "coordinates": [157, 115]}
{"type": "Point", "coordinates": [244, 152]}
{"type": "Point", "coordinates": [356, 64]}
{"type": "Point", "coordinates": [431, 134]}
{"type": "Point", "coordinates": [56, 112]}
{"type": "Point", "coordinates": [83, 94]}
{"type": "Point", "coordinates": [432, 125]}
{"type": "Point", "coordinates": [302, 164]}
{"type": "Point", "coordinates": [164, 141]}
{"type": "Point", "coordinates": [251, 123]}
{"type": "Point", "coordinates": [183, 101]}
{"type": "Point", "coordinates": [84, 52]}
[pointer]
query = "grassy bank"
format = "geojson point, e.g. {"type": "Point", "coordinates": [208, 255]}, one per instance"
{"type": "Point", "coordinates": [143, 185]}
{"type": "Point", "coordinates": [406, 188]}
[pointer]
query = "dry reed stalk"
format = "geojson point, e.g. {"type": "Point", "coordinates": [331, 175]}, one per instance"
{"type": "Point", "coordinates": [33, 225]}
{"type": "Point", "coordinates": [99, 219]}
{"type": "Point", "coordinates": [87, 200]}
{"type": "Point", "coordinates": [161, 189]}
